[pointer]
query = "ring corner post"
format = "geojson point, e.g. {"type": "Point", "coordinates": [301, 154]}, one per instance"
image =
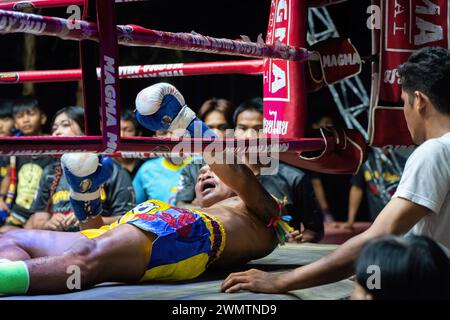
{"type": "Point", "coordinates": [109, 75]}
{"type": "Point", "coordinates": [88, 64]}
{"type": "Point", "coordinates": [285, 109]}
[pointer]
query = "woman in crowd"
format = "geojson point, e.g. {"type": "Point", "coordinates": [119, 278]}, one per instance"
{"type": "Point", "coordinates": [52, 204]}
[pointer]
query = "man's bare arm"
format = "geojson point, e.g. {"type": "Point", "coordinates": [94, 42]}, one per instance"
{"type": "Point", "coordinates": [397, 218]}
{"type": "Point", "coordinates": [242, 181]}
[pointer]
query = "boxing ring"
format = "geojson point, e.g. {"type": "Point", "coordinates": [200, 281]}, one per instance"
{"type": "Point", "coordinates": [280, 61]}
{"type": "Point", "coordinates": [289, 71]}
{"type": "Point", "coordinates": [207, 286]}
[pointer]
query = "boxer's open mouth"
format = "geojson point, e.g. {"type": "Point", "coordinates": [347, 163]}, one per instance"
{"type": "Point", "coordinates": [207, 186]}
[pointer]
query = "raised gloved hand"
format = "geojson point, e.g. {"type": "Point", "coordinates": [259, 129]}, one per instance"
{"type": "Point", "coordinates": [85, 173]}
{"type": "Point", "coordinates": [162, 107]}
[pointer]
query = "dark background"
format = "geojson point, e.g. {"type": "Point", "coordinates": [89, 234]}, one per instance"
{"type": "Point", "coordinates": [228, 19]}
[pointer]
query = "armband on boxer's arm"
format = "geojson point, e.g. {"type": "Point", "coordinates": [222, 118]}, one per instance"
{"type": "Point", "coordinates": [280, 222]}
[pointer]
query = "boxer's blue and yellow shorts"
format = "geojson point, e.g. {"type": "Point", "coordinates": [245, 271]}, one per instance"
{"type": "Point", "coordinates": [187, 240]}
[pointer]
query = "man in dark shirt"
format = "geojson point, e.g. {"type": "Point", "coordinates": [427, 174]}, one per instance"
{"type": "Point", "coordinates": [377, 180]}
{"type": "Point", "coordinates": [289, 184]}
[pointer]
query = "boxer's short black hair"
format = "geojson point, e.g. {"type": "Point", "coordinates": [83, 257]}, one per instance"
{"type": "Point", "coordinates": [428, 71]}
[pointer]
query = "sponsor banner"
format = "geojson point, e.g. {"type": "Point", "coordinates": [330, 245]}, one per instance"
{"type": "Point", "coordinates": [284, 83]}
{"type": "Point", "coordinates": [407, 25]}
{"type": "Point", "coordinates": [339, 60]}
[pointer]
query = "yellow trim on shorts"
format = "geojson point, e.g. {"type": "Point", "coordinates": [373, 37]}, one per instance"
{"type": "Point", "coordinates": [211, 232]}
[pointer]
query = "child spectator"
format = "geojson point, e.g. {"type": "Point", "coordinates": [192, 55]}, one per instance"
{"type": "Point", "coordinates": [6, 129]}
{"type": "Point", "coordinates": [29, 120]}
{"type": "Point", "coordinates": [158, 177]}
{"type": "Point", "coordinates": [6, 118]}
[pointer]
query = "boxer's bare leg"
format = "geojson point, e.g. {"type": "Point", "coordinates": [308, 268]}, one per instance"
{"type": "Point", "coordinates": [23, 244]}
{"type": "Point", "coordinates": [119, 255]}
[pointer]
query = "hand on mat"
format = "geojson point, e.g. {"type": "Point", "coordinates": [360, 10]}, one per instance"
{"type": "Point", "coordinates": [305, 236]}
{"type": "Point", "coordinates": [56, 223]}
{"type": "Point", "coordinates": [252, 280]}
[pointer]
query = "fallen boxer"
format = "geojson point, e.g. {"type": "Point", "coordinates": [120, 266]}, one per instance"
{"type": "Point", "coordinates": [239, 222]}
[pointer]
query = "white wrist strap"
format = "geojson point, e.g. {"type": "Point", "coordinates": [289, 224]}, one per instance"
{"type": "Point", "coordinates": [85, 196]}
{"type": "Point", "coordinates": [183, 119]}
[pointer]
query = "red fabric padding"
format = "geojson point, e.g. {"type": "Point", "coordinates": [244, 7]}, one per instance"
{"type": "Point", "coordinates": [344, 153]}
{"type": "Point", "coordinates": [406, 26]}
{"type": "Point", "coordinates": [339, 60]}
{"type": "Point", "coordinates": [284, 81]}
{"type": "Point", "coordinates": [391, 126]}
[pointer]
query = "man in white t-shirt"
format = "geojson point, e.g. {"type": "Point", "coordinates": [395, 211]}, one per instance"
{"type": "Point", "coordinates": [421, 204]}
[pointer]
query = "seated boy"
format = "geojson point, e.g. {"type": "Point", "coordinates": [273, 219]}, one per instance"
{"type": "Point", "coordinates": [29, 120]}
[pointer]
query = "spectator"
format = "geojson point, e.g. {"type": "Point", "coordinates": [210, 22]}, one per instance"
{"type": "Point", "coordinates": [397, 268]}
{"type": "Point", "coordinates": [369, 182]}
{"type": "Point", "coordinates": [248, 119]}
{"type": "Point", "coordinates": [52, 204]}
{"type": "Point", "coordinates": [29, 120]}
{"type": "Point", "coordinates": [157, 178]}
{"type": "Point", "coordinates": [331, 191]}
{"type": "Point", "coordinates": [217, 114]}
{"type": "Point", "coordinates": [130, 127]}
{"type": "Point", "coordinates": [289, 183]}
{"type": "Point", "coordinates": [6, 129]}
{"type": "Point", "coordinates": [6, 118]}
{"type": "Point", "coordinates": [421, 203]}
